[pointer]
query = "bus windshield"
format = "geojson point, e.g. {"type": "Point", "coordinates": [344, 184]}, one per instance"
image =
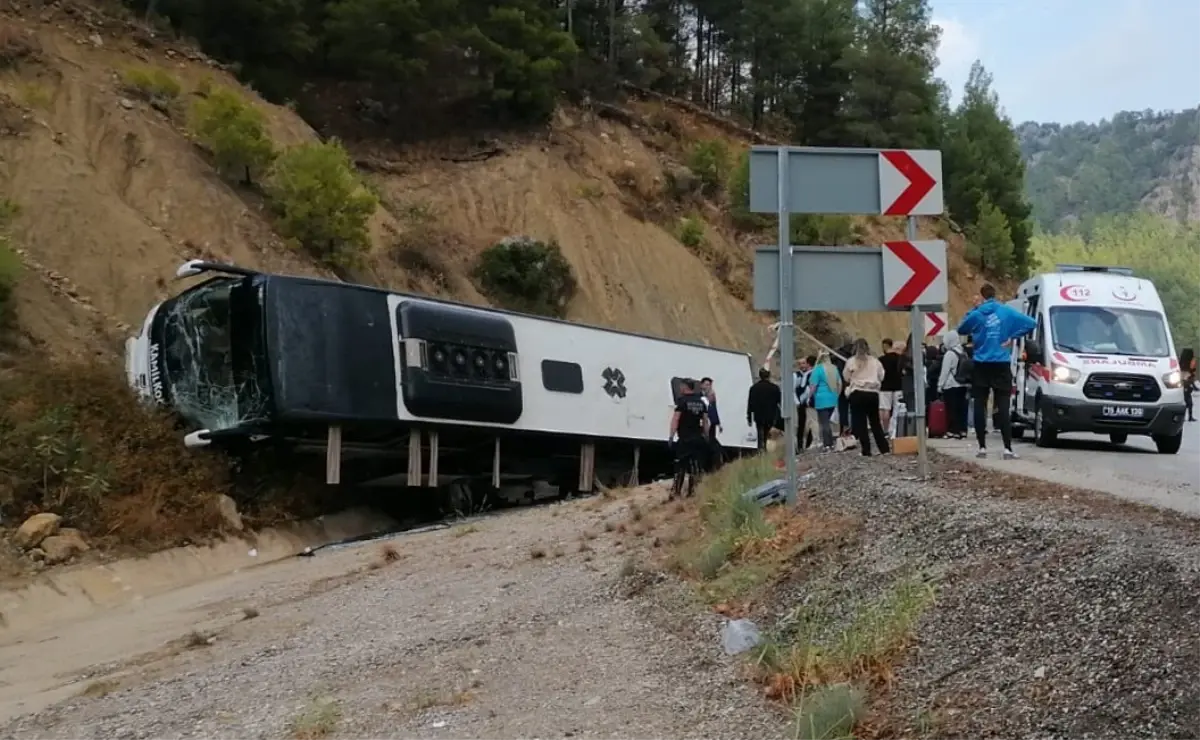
{"type": "Point", "coordinates": [1109, 331]}
{"type": "Point", "coordinates": [198, 358]}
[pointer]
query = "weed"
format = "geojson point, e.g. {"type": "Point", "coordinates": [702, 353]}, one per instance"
{"type": "Point", "coordinates": [388, 554]}
{"type": "Point", "coordinates": [249, 612]}
{"type": "Point", "coordinates": [591, 191]}
{"type": "Point", "coordinates": [464, 531]}
{"type": "Point", "coordinates": [710, 161]}
{"type": "Point", "coordinates": [691, 232]}
{"type": "Point", "coordinates": [151, 84]}
{"type": "Point", "coordinates": [814, 648]}
{"type": "Point", "coordinates": [34, 95]}
{"type": "Point", "coordinates": [537, 553]}
{"type": "Point", "coordinates": [429, 699]}
{"type": "Point", "coordinates": [629, 566]}
{"type": "Point", "coordinates": [318, 719]}
{"type": "Point", "coordinates": [10, 269]}
{"type": "Point", "coordinates": [74, 440]}
{"type": "Point", "coordinates": [610, 526]}
{"type": "Point", "coordinates": [584, 546]}
{"type": "Point", "coordinates": [197, 639]}
{"type": "Point", "coordinates": [557, 551]}
{"type": "Point", "coordinates": [100, 687]}
{"type": "Point", "coordinates": [828, 713]}
{"type": "Point", "coordinates": [636, 513]}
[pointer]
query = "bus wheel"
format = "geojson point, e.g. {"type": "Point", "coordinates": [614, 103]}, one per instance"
{"type": "Point", "coordinates": [1118, 438]}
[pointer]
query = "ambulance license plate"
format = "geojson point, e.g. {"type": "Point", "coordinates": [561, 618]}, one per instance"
{"type": "Point", "coordinates": [1123, 412]}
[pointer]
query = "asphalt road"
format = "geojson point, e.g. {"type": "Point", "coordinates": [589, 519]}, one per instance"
{"type": "Point", "coordinates": [1133, 471]}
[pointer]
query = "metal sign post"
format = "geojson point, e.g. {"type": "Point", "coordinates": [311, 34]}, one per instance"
{"type": "Point", "coordinates": [787, 340]}
{"type": "Point", "coordinates": [917, 350]}
{"type": "Point", "coordinates": [908, 275]}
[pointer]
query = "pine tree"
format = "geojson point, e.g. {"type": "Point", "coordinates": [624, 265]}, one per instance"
{"type": "Point", "coordinates": [893, 97]}
{"type": "Point", "coordinates": [991, 239]}
{"type": "Point", "coordinates": [983, 163]}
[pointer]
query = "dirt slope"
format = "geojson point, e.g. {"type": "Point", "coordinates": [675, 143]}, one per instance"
{"type": "Point", "coordinates": [114, 196]}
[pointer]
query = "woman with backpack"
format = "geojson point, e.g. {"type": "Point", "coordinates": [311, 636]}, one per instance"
{"type": "Point", "coordinates": [953, 383]}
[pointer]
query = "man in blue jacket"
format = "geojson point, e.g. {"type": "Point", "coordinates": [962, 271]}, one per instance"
{"type": "Point", "coordinates": [992, 327]}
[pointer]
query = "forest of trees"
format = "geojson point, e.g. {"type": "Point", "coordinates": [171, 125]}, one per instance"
{"type": "Point", "coordinates": [1135, 160]}
{"type": "Point", "coordinates": [1159, 249]}
{"type": "Point", "coordinates": [816, 72]}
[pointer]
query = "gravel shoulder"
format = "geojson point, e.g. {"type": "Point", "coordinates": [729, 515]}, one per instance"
{"type": "Point", "coordinates": [521, 624]}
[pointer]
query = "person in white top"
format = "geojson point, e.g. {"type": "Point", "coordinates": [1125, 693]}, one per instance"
{"type": "Point", "coordinates": [952, 388]}
{"type": "Point", "coordinates": [864, 377]}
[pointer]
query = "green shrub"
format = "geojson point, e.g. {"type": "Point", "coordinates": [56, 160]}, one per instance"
{"type": "Point", "coordinates": [321, 202]}
{"type": "Point", "coordinates": [739, 198]}
{"type": "Point", "coordinates": [710, 161]}
{"type": "Point", "coordinates": [235, 132]}
{"type": "Point", "coordinates": [151, 84]}
{"type": "Point", "coordinates": [527, 275]}
{"type": "Point", "coordinates": [691, 232]}
{"type": "Point", "coordinates": [10, 267]}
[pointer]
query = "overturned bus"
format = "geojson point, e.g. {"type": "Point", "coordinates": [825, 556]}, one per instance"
{"type": "Point", "coordinates": [398, 389]}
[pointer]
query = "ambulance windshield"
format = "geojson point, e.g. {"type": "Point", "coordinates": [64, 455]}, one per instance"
{"type": "Point", "coordinates": [1109, 331]}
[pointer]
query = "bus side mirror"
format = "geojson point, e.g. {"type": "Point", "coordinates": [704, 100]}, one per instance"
{"type": "Point", "coordinates": [1033, 352]}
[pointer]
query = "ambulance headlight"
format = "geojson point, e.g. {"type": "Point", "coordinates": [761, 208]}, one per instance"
{"type": "Point", "coordinates": [1063, 374]}
{"type": "Point", "coordinates": [1173, 379]}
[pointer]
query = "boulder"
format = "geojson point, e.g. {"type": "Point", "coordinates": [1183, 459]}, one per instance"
{"type": "Point", "coordinates": [35, 529]}
{"type": "Point", "coordinates": [61, 547]}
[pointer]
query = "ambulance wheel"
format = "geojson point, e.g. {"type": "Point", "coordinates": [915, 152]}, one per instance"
{"type": "Point", "coordinates": [1044, 435]}
{"type": "Point", "coordinates": [1169, 444]}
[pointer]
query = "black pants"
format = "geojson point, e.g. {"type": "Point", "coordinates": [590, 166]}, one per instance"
{"type": "Point", "coordinates": [690, 454]}
{"type": "Point", "coordinates": [864, 414]}
{"type": "Point", "coordinates": [995, 379]}
{"type": "Point", "coordinates": [1187, 402]}
{"type": "Point", "coordinates": [956, 409]}
{"type": "Point", "coordinates": [716, 455]}
{"type": "Point", "coordinates": [764, 432]}
{"type": "Point", "coordinates": [804, 438]}
{"type": "Point", "coordinates": [843, 408]}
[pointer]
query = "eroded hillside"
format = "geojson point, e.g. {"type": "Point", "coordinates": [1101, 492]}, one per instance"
{"type": "Point", "coordinates": [114, 194]}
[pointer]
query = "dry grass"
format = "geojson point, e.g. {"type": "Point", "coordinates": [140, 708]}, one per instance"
{"type": "Point", "coordinates": [73, 440]}
{"type": "Point", "coordinates": [464, 531]}
{"type": "Point", "coordinates": [815, 648]}
{"type": "Point", "coordinates": [100, 687]}
{"type": "Point", "coordinates": [318, 719]}
{"type": "Point", "coordinates": [537, 553]}
{"type": "Point", "coordinates": [430, 700]}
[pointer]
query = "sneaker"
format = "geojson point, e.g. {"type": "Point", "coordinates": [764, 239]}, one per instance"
{"type": "Point", "coordinates": [1010, 455]}
{"type": "Point", "coordinates": [982, 453]}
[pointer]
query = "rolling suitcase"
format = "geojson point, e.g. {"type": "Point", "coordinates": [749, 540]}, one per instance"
{"type": "Point", "coordinates": [938, 422]}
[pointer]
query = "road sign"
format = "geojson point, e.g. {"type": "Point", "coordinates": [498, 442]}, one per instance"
{"type": "Point", "coordinates": [914, 273]}
{"type": "Point", "coordinates": [892, 182]}
{"type": "Point", "coordinates": [786, 180]}
{"type": "Point", "coordinates": [823, 279]}
{"type": "Point", "coordinates": [935, 323]}
{"type": "Point", "coordinates": [910, 182]}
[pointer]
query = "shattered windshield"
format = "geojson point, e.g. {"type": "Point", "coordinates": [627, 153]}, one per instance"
{"type": "Point", "coordinates": [198, 354]}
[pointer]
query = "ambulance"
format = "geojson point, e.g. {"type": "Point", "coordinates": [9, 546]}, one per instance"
{"type": "Point", "coordinates": [1101, 360]}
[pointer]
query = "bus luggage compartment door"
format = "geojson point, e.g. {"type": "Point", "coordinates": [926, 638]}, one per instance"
{"type": "Point", "coordinates": [457, 363]}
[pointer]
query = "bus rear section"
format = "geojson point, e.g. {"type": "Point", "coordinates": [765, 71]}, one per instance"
{"type": "Point", "coordinates": [1101, 360]}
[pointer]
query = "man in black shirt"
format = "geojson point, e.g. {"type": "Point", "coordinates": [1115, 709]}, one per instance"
{"type": "Point", "coordinates": [690, 423]}
{"type": "Point", "coordinates": [762, 406]}
{"type": "Point", "coordinates": [890, 388]}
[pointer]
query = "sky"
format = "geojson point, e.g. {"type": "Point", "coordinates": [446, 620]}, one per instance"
{"type": "Point", "coordinates": [1074, 60]}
